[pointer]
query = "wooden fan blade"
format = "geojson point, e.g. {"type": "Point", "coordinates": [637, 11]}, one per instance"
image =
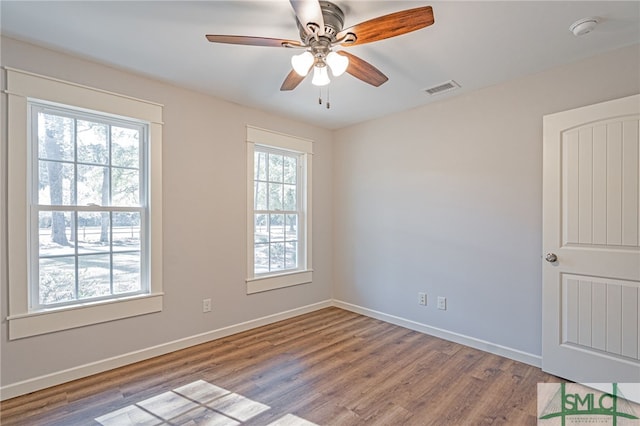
{"type": "Point", "coordinates": [387, 26]}
{"type": "Point", "coordinates": [363, 70]}
{"type": "Point", "coordinates": [291, 81]}
{"type": "Point", "coordinates": [253, 41]}
{"type": "Point", "coordinates": [309, 12]}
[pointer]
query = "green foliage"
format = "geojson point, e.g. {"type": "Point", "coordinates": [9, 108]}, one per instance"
{"type": "Point", "coordinates": [56, 285]}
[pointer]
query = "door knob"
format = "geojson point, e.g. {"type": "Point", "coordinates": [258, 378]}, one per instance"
{"type": "Point", "coordinates": [551, 257]}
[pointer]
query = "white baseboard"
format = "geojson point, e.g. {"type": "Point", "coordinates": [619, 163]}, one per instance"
{"type": "Point", "coordinates": [483, 345]}
{"type": "Point", "coordinates": [53, 379]}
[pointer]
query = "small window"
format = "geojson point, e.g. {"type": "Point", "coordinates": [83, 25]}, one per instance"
{"type": "Point", "coordinates": [88, 207]}
{"type": "Point", "coordinates": [277, 211]}
{"type": "Point", "coordinates": [279, 217]}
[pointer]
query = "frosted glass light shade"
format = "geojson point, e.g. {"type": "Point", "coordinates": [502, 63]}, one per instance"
{"type": "Point", "coordinates": [320, 76]}
{"type": "Point", "coordinates": [337, 63]}
{"type": "Point", "coordinates": [302, 63]}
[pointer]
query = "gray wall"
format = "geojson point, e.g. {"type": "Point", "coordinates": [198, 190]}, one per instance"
{"type": "Point", "coordinates": [204, 183]}
{"type": "Point", "coordinates": [447, 199]}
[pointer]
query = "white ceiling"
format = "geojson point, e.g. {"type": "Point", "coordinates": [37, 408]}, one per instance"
{"type": "Point", "coordinates": [475, 43]}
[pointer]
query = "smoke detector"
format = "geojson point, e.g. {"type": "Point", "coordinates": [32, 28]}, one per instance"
{"type": "Point", "coordinates": [583, 26]}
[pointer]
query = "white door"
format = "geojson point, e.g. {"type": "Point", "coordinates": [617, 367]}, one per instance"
{"type": "Point", "coordinates": [591, 224]}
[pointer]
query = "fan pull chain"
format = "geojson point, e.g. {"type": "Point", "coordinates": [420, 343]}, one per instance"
{"type": "Point", "coordinates": [328, 103]}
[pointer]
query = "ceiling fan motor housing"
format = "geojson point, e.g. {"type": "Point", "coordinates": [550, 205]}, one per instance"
{"type": "Point", "coordinates": [333, 22]}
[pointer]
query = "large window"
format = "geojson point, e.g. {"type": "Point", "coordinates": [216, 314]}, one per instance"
{"type": "Point", "coordinates": [279, 216]}
{"type": "Point", "coordinates": [84, 209]}
{"type": "Point", "coordinates": [89, 206]}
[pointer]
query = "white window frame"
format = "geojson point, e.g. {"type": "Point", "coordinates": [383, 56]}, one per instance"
{"type": "Point", "coordinates": [304, 273]}
{"type": "Point", "coordinates": [22, 87]}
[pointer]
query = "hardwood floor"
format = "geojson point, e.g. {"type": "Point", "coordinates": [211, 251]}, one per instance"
{"type": "Point", "coordinates": [329, 367]}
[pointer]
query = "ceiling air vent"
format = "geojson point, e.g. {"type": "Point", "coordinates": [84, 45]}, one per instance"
{"type": "Point", "coordinates": [442, 88]}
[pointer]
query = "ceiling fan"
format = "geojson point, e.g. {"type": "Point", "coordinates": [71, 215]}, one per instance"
{"type": "Point", "coordinates": [321, 30]}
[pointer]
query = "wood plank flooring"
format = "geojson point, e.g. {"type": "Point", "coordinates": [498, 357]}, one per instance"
{"type": "Point", "coordinates": [329, 367]}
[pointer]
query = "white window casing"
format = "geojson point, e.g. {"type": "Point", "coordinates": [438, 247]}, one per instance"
{"type": "Point", "coordinates": [265, 140]}
{"type": "Point", "coordinates": [25, 87]}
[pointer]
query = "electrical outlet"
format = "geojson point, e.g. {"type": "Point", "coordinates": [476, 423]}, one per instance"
{"type": "Point", "coordinates": [422, 299]}
{"type": "Point", "coordinates": [442, 303]}
{"type": "Point", "coordinates": [206, 305]}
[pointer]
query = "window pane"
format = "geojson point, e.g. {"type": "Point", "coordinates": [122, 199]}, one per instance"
{"type": "Point", "coordinates": [57, 280]}
{"type": "Point", "coordinates": [55, 183]}
{"type": "Point", "coordinates": [126, 231]}
{"type": "Point", "coordinates": [290, 200]}
{"type": "Point", "coordinates": [291, 228]}
{"type": "Point", "coordinates": [261, 229]}
{"type": "Point", "coordinates": [275, 167]}
{"type": "Point", "coordinates": [291, 256]}
{"type": "Point", "coordinates": [276, 258]}
{"type": "Point", "coordinates": [260, 166]}
{"type": "Point", "coordinates": [276, 227]}
{"type": "Point", "coordinates": [125, 147]}
{"type": "Point", "coordinates": [54, 233]}
{"type": "Point", "coordinates": [261, 258]}
{"type": "Point", "coordinates": [55, 137]}
{"type": "Point", "coordinates": [290, 170]}
{"type": "Point", "coordinates": [92, 142]}
{"type": "Point", "coordinates": [275, 196]}
{"type": "Point", "coordinates": [126, 272]}
{"type": "Point", "coordinates": [260, 195]}
{"type": "Point", "coordinates": [93, 232]}
{"type": "Point", "coordinates": [86, 161]}
{"type": "Point", "coordinates": [93, 185]}
{"type": "Point", "coordinates": [126, 187]}
{"type": "Point", "coordinates": [94, 276]}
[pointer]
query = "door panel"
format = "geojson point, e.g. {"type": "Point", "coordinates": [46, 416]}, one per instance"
{"type": "Point", "coordinates": [591, 222]}
{"type": "Point", "coordinates": [600, 184]}
{"type": "Point", "coordinates": [600, 314]}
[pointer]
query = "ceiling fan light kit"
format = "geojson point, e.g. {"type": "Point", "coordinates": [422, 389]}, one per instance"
{"type": "Point", "coordinates": [320, 76]}
{"type": "Point", "coordinates": [321, 30]}
{"type": "Point", "coordinates": [337, 63]}
{"type": "Point", "coordinates": [302, 63]}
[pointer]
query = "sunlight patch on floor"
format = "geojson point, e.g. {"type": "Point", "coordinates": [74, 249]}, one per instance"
{"type": "Point", "coordinates": [199, 403]}
{"type": "Point", "coordinates": [291, 420]}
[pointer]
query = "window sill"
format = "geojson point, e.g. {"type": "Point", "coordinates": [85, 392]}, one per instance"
{"type": "Point", "coordinates": [48, 321]}
{"type": "Point", "coordinates": [272, 282]}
